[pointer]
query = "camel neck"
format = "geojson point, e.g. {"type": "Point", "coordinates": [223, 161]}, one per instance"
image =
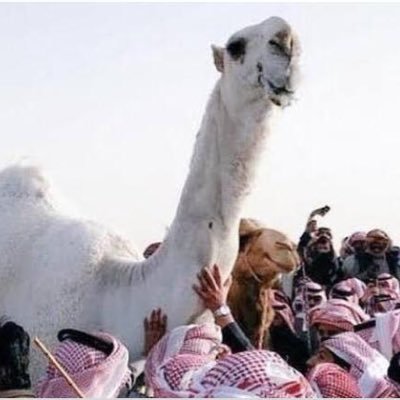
{"type": "Point", "coordinates": [221, 173]}
{"type": "Point", "coordinates": [206, 225]}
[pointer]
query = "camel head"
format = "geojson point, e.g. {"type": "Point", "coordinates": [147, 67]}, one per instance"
{"type": "Point", "coordinates": [264, 253]}
{"type": "Point", "coordinates": [260, 62]}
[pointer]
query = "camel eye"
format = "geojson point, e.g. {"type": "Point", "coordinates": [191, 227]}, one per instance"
{"type": "Point", "coordinates": [277, 47]}
{"type": "Point", "coordinates": [237, 48]}
{"type": "Point", "coordinates": [283, 245]}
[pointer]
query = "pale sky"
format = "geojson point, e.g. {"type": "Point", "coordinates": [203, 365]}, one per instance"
{"type": "Point", "coordinates": [108, 98]}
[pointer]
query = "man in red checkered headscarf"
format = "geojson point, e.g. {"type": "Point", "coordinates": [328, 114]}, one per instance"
{"type": "Point", "coordinates": [94, 372]}
{"type": "Point", "coordinates": [384, 334]}
{"type": "Point", "coordinates": [382, 301]}
{"type": "Point", "coordinates": [387, 281]}
{"type": "Point", "coordinates": [381, 295]}
{"type": "Point", "coordinates": [365, 364]}
{"type": "Point", "coordinates": [336, 316]}
{"type": "Point", "coordinates": [187, 363]}
{"type": "Point", "coordinates": [331, 380]}
{"type": "Point", "coordinates": [351, 289]}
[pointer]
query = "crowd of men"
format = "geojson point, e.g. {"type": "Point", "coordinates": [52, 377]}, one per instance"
{"type": "Point", "coordinates": [336, 335]}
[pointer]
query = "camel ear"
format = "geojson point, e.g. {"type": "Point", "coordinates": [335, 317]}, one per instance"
{"type": "Point", "coordinates": [218, 55]}
{"type": "Point", "coordinates": [246, 238]}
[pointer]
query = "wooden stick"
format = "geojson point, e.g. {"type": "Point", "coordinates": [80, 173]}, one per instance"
{"type": "Point", "coordinates": [58, 366]}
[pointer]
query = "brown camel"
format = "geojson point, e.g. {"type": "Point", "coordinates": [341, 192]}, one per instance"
{"type": "Point", "coordinates": [264, 254]}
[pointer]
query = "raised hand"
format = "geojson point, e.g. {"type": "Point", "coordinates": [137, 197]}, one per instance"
{"type": "Point", "coordinates": [155, 328]}
{"type": "Point", "coordinates": [212, 291]}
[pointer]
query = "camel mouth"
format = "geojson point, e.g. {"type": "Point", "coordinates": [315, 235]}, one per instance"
{"type": "Point", "coordinates": [282, 101]}
{"type": "Point", "coordinates": [280, 90]}
{"type": "Point", "coordinates": [287, 268]}
{"type": "Point", "coordinates": [281, 96]}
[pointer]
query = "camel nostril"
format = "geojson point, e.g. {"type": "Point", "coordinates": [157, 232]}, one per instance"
{"type": "Point", "coordinates": [277, 89]}
{"type": "Point", "coordinates": [259, 67]}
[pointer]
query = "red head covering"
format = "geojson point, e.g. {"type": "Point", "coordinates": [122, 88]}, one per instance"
{"type": "Point", "coordinates": [182, 365]}
{"type": "Point", "coordinates": [257, 373]}
{"type": "Point", "coordinates": [367, 365]}
{"type": "Point", "coordinates": [357, 237]}
{"type": "Point", "coordinates": [385, 335]}
{"type": "Point", "coordinates": [330, 380]}
{"type": "Point", "coordinates": [178, 355]}
{"type": "Point", "coordinates": [351, 289]}
{"type": "Point", "coordinates": [338, 313]}
{"type": "Point", "coordinates": [315, 288]}
{"type": "Point", "coordinates": [95, 373]}
{"type": "Point", "coordinates": [387, 281]}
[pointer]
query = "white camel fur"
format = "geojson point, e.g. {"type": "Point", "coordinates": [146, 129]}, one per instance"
{"type": "Point", "coordinates": [57, 271]}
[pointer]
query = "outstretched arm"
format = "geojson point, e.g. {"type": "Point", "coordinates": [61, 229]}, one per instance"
{"type": "Point", "coordinates": [213, 292]}
{"type": "Point", "coordinates": [311, 227]}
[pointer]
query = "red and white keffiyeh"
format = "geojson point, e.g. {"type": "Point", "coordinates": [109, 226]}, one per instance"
{"type": "Point", "coordinates": [257, 373]}
{"type": "Point", "coordinates": [176, 368]}
{"type": "Point", "coordinates": [385, 335]}
{"type": "Point", "coordinates": [330, 380]}
{"type": "Point", "coordinates": [351, 289]}
{"type": "Point", "coordinates": [387, 281]}
{"type": "Point", "coordinates": [315, 289]}
{"type": "Point", "coordinates": [338, 313]}
{"type": "Point", "coordinates": [396, 388]}
{"type": "Point", "coordinates": [95, 373]}
{"type": "Point", "coordinates": [367, 365]}
{"type": "Point", "coordinates": [357, 237]}
{"type": "Point", "coordinates": [178, 355]}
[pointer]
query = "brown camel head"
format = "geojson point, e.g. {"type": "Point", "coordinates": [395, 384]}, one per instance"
{"type": "Point", "coordinates": [264, 253]}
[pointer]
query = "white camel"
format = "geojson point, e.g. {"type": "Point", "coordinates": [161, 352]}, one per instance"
{"type": "Point", "coordinates": [57, 271]}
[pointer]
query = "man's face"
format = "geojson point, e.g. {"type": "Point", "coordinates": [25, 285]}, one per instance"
{"type": "Point", "coordinates": [383, 284]}
{"type": "Point", "coordinates": [359, 246]}
{"type": "Point", "coordinates": [314, 300]}
{"type": "Point", "coordinates": [327, 331]}
{"type": "Point", "coordinates": [322, 356]}
{"type": "Point", "coordinates": [383, 304]}
{"type": "Point", "coordinates": [323, 245]}
{"type": "Point", "coordinates": [377, 246]}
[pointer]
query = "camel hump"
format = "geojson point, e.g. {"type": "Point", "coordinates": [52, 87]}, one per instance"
{"type": "Point", "coordinates": [23, 181]}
